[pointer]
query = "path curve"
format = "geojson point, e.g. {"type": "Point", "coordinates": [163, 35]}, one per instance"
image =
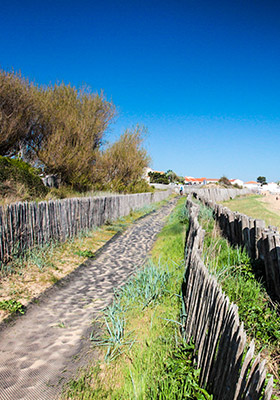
{"type": "Point", "coordinates": [39, 350]}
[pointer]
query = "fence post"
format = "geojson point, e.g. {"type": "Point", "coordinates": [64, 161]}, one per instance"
{"type": "Point", "coordinates": [259, 226]}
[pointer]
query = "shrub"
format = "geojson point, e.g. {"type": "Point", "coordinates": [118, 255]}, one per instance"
{"type": "Point", "coordinates": [224, 181]}
{"type": "Point", "coordinates": [18, 113]}
{"type": "Point", "coordinates": [157, 177]}
{"type": "Point", "coordinates": [59, 127]}
{"type": "Point", "coordinates": [121, 166]}
{"type": "Point", "coordinates": [16, 175]}
{"type": "Point", "coordinates": [74, 124]}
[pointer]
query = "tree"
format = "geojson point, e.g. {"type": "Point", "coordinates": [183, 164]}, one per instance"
{"type": "Point", "coordinates": [18, 113]}
{"type": "Point", "coordinates": [262, 180]}
{"type": "Point", "coordinates": [224, 181]}
{"type": "Point", "coordinates": [171, 175]}
{"type": "Point", "coordinates": [58, 127]}
{"type": "Point", "coordinates": [157, 177]}
{"type": "Point", "coordinates": [120, 167]}
{"type": "Point", "coordinates": [181, 180]}
{"type": "Point", "coordinates": [74, 122]}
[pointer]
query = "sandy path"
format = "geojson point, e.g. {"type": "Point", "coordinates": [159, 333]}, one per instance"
{"type": "Point", "coordinates": [39, 351]}
{"type": "Point", "coordinates": [271, 202]}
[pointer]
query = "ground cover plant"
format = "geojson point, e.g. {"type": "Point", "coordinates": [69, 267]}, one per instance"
{"type": "Point", "coordinates": [25, 277]}
{"type": "Point", "coordinates": [142, 353]}
{"type": "Point", "coordinates": [234, 271]}
{"type": "Point", "coordinates": [19, 180]}
{"type": "Point", "coordinates": [255, 207]}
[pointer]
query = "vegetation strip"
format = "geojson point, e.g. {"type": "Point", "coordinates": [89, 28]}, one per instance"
{"type": "Point", "coordinates": [143, 352]}
{"type": "Point", "coordinates": [233, 270]}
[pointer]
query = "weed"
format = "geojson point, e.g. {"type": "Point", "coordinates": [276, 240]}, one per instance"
{"type": "Point", "coordinates": [85, 253]}
{"type": "Point", "coordinates": [179, 380]}
{"type": "Point", "coordinates": [13, 306]}
{"type": "Point", "coordinates": [147, 286]}
{"type": "Point", "coordinates": [53, 278]}
{"type": "Point", "coordinates": [61, 324]}
{"type": "Point", "coordinates": [116, 339]}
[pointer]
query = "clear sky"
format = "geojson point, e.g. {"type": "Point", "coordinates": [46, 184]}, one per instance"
{"type": "Point", "coordinates": [202, 76]}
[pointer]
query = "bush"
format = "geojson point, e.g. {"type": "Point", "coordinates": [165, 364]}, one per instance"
{"type": "Point", "coordinates": [18, 113]}
{"type": "Point", "coordinates": [224, 181]}
{"type": "Point", "coordinates": [157, 177]}
{"type": "Point", "coordinates": [19, 179]}
{"type": "Point", "coordinates": [121, 166]}
{"type": "Point", "coordinates": [59, 127]}
{"type": "Point", "coordinates": [74, 123]}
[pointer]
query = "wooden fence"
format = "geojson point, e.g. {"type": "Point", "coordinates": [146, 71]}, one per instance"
{"type": "Point", "coordinates": [261, 243]}
{"type": "Point", "coordinates": [218, 194]}
{"type": "Point", "coordinates": [25, 225]}
{"type": "Point", "coordinates": [227, 370]}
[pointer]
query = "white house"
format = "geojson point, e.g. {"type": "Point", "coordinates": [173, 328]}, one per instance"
{"type": "Point", "coordinates": [252, 185]}
{"type": "Point", "coordinates": [271, 187]}
{"type": "Point", "coordinates": [189, 180]}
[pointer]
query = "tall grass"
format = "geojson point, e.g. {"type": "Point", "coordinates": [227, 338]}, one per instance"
{"type": "Point", "coordinates": [234, 271]}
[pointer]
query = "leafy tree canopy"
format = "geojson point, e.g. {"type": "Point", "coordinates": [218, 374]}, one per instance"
{"type": "Point", "coordinates": [61, 129]}
{"type": "Point", "coordinates": [121, 165]}
{"type": "Point", "coordinates": [58, 127]}
{"type": "Point", "coordinates": [262, 180]}
{"type": "Point", "coordinates": [157, 177]}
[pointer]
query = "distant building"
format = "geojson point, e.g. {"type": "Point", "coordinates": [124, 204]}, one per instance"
{"type": "Point", "coordinates": [189, 180]}
{"type": "Point", "coordinates": [212, 180]}
{"type": "Point", "coordinates": [271, 187]}
{"type": "Point", "coordinates": [252, 185]}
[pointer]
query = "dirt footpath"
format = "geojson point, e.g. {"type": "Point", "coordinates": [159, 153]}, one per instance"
{"type": "Point", "coordinates": [272, 202]}
{"type": "Point", "coordinates": [39, 351]}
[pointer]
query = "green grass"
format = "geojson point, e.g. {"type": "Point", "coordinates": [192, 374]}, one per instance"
{"type": "Point", "coordinates": [145, 355]}
{"type": "Point", "coordinates": [19, 179]}
{"type": "Point", "coordinates": [85, 253]}
{"type": "Point", "coordinates": [252, 207]}
{"type": "Point", "coordinates": [13, 306]}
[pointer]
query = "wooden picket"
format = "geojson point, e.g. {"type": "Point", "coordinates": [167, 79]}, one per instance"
{"type": "Point", "coordinates": [25, 225]}
{"type": "Point", "coordinates": [226, 370]}
{"type": "Point", "coordinates": [261, 243]}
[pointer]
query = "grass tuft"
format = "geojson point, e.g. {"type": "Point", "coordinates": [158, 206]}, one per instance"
{"type": "Point", "coordinates": [13, 306]}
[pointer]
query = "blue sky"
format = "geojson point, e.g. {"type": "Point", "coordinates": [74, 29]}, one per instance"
{"type": "Point", "coordinates": [202, 76]}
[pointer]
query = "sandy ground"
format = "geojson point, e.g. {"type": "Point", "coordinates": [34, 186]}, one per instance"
{"type": "Point", "coordinates": [28, 281]}
{"type": "Point", "coordinates": [272, 202]}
